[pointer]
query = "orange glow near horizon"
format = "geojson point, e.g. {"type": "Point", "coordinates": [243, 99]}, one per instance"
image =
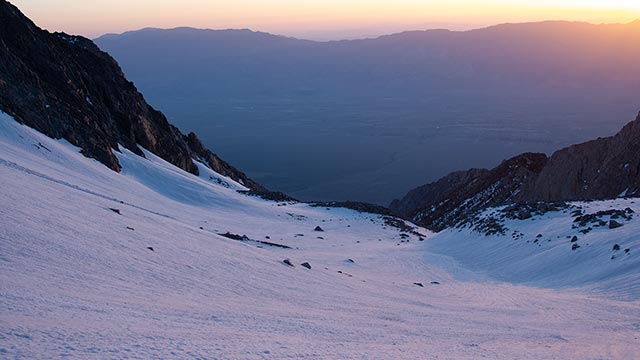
{"type": "Point", "coordinates": [314, 18]}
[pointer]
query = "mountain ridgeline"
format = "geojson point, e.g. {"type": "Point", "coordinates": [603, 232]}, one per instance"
{"type": "Point", "coordinates": [604, 168]}
{"type": "Point", "coordinates": [66, 87]}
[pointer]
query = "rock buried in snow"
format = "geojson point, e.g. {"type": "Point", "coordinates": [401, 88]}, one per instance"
{"type": "Point", "coordinates": [306, 264]}
{"type": "Point", "coordinates": [574, 239]}
{"type": "Point", "coordinates": [150, 248]}
{"type": "Point", "coordinates": [575, 246]}
{"type": "Point", "coordinates": [616, 247]}
{"type": "Point", "coordinates": [288, 262]}
{"type": "Point", "coordinates": [418, 284]}
{"type": "Point", "coordinates": [117, 211]}
{"type": "Point", "coordinates": [350, 261]}
{"type": "Point", "coordinates": [318, 228]}
{"type": "Point", "coordinates": [435, 283]}
{"type": "Point", "coordinates": [614, 224]}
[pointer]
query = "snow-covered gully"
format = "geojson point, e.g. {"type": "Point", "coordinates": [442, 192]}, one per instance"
{"type": "Point", "coordinates": [99, 264]}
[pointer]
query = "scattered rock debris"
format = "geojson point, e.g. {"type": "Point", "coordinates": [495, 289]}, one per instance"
{"type": "Point", "coordinates": [246, 238]}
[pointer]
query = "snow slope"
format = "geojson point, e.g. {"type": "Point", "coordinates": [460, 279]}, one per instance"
{"type": "Point", "coordinates": [540, 251]}
{"type": "Point", "coordinates": [77, 279]}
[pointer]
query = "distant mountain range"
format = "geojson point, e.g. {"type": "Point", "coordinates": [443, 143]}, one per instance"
{"type": "Point", "coordinates": [353, 116]}
{"type": "Point", "coordinates": [499, 59]}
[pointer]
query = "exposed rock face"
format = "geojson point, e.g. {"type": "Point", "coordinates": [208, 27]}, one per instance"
{"type": "Point", "coordinates": [354, 205]}
{"type": "Point", "coordinates": [599, 169]}
{"type": "Point", "coordinates": [447, 201]}
{"type": "Point", "coordinates": [65, 87]}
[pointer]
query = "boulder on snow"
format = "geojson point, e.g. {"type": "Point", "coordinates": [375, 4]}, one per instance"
{"type": "Point", "coordinates": [614, 224]}
{"type": "Point", "coordinates": [616, 247]}
{"type": "Point", "coordinates": [575, 246]}
{"type": "Point", "coordinates": [523, 215]}
{"type": "Point", "coordinates": [435, 283]}
{"type": "Point", "coordinates": [306, 264]}
{"type": "Point", "coordinates": [288, 262]}
{"type": "Point", "coordinates": [418, 284]}
{"type": "Point", "coordinates": [117, 211]}
{"type": "Point", "coordinates": [318, 228]}
{"type": "Point", "coordinates": [150, 248]}
{"type": "Point", "coordinates": [574, 239]}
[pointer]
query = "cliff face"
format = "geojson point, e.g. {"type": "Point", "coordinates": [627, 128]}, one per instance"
{"type": "Point", "coordinates": [599, 169]}
{"type": "Point", "coordinates": [66, 87]}
{"type": "Point", "coordinates": [449, 200]}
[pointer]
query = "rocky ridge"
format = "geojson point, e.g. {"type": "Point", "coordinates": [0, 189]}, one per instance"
{"type": "Point", "coordinates": [600, 169]}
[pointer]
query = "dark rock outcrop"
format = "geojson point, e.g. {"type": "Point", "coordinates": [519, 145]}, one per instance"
{"type": "Point", "coordinates": [66, 87]}
{"type": "Point", "coordinates": [449, 200]}
{"type": "Point", "coordinates": [599, 169]}
{"type": "Point", "coordinates": [353, 205]}
{"type": "Point", "coordinates": [614, 224]}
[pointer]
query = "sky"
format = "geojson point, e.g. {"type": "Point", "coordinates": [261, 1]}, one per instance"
{"type": "Point", "coordinates": [314, 19]}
